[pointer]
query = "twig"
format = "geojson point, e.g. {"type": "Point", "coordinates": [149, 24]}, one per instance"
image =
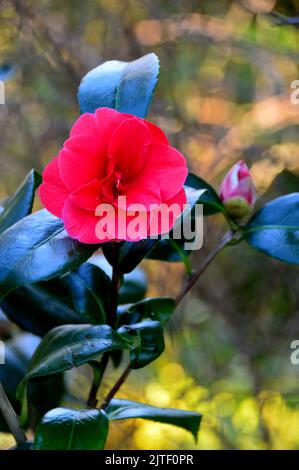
{"type": "Point", "coordinates": [10, 417]}
{"type": "Point", "coordinates": [114, 297]}
{"type": "Point", "coordinates": [98, 372]}
{"type": "Point", "coordinates": [196, 275]}
{"type": "Point", "coordinates": [100, 369]}
{"type": "Point", "coordinates": [115, 388]}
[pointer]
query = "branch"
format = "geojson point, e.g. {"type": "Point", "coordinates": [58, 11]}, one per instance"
{"type": "Point", "coordinates": [11, 417]}
{"type": "Point", "coordinates": [99, 369]}
{"type": "Point", "coordinates": [196, 275]}
{"type": "Point", "coordinates": [115, 388]}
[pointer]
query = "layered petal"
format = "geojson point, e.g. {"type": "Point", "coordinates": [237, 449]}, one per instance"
{"type": "Point", "coordinates": [157, 135]}
{"type": "Point", "coordinates": [118, 224]}
{"type": "Point", "coordinates": [81, 161]}
{"type": "Point", "coordinates": [129, 147]}
{"type": "Point", "coordinates": [84, 155]}
{"type": "Point", "coordinates": [85, 125]}
{"type": "Point", "coordinates": [238, 182]}
{"type": "Point", "coordinates": [107, 120]}
{"type": "Point", "coordinates": [53, 191]}
{"type": "Point", "coordinates": [165, 216]}
{"type": "Point", "coordinates": [167, 168]}
{"type": "Point", "coordinates": [179, 198]}
{"type": "Point", "coordinates": [144, 192]}
{"type": "Point", "coordinates": [88, 196]}
{"type": "Point", "coordinates": [79, 223]}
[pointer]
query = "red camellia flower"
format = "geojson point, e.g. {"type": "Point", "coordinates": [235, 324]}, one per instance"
{"type": "Point", "coordinates": [116, 160]}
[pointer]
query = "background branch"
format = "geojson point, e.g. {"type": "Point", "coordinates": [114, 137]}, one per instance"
{"type": "Point", "coordinates": [10, 417]}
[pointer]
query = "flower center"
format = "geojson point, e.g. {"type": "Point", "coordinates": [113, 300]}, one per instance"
{"type": "Point", "coordinates": [113, 186]}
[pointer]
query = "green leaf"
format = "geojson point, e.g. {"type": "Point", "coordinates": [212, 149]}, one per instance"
{"type": "Point", "coordinates": [149, 344]}
{"type": "Point", "coordinates": [210, 199]}
{"type": "Point", "coordinates": [44, 394]}
{"type": "Point", "coordinates": [169, 250]}
{"type": "Point", "coordinates": [125, 86]}
{"type": "Point", "coordinates": [70, 346]}
{"type": "Point", "coordinates": [126, 409]}
{"type": "Point", "coordinates": [284, 183]}
{"type": "Point", "coordinates": [67, 429]}
{"type": "Point", "coordinates": [66, 347]}
{"type": "Point", "coordinates": [81, 296]}
{"type": "Point", "coordinates": [42, 306]}
{"type": "Point", "coordinates": [159, 309]}
{"type": "Point", "coordinates": [127, 255]}
{"type": "Point", "coordinates": [274, 229]}
{"type": "Point", "coordinates": [20, 204]}
{"type": "Point", "coordinates": [37, 248]}
{"type": "Point", "coordinates": [133, 288]}
{"type": "Point", "coordinates": [89, 289]}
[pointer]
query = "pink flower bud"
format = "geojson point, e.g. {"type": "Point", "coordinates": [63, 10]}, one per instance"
{"type": "Point", "coordinates": [237, 191]}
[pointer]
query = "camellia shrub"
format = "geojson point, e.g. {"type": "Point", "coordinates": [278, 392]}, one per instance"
{"type": "Point", "coordinates": [116, 186]}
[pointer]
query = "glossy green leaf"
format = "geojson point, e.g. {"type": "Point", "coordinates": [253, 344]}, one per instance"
{"type": "Point", "coordinates": [168, 250]}
{"type": "Point", "coordinates": [284, 183]}
{"type": "Point", "coordinates": [44, 394]}
{"type": "Point", "coordinates": [66, 347]}
{"type": "Point", "coordinates": [210, 200]}
{"type": "Point", "coordinates": [159, 309]}
{"type": "Point", "coordinates": [81, 296]}
{"type": "Point", "coordinates": [67, 429]}
{"type": "Point", "coordinates": [89, 289]}
{"type": "Point", "coordinates": [127, 255]}
{"type": "Point", "coordinates": [126, 409]}
{"type": "Point", "coordinates": [274, 229]}
{"type": "Point", "coordinates": [37, 248]}
{"type": "Point", "coordinates": [42, 306]}
{"type": "Point", "coordinates": [70, 346]}
{"type": "Point", "coordinates": [149, 342]}
{"type": "Point", "coordinates": [20, 204]}
{"type": "Point", "coordinates": [133, 288]}
{"type": "Point", "coordinates": [125, 86]}
{"type": "Point", "coordinates": [78, 297]}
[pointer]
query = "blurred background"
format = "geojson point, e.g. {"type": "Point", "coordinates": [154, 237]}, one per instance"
{"type": "Point", "coordinates": [224, 94]}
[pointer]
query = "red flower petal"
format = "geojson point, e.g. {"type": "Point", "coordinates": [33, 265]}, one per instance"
{"type": "Point", "coordinates": [120, 224]}
{"type": "Point", "coordinates": [85, 125]}
{"type": "Point", "coordinates": [163, 220]}
{"type": "Point", "coordinates": [84, 156]}
{"type": "Point", "coordinates": [81, 161]}
{"type": "Point", "coordinates": [129, 146]}
{"type": "Point", "coordinates": [52, 191]}
{"type": "Point", "coordinates": [168, 168]}
{"type": "Point", "coordinates": [158, 136]}
{"type": "Point", "coordinates": [88, 196]}
{"type": "Point", "coordinates": [79, 223]}
{"type": "Point", "coordinates": [85, 226]}
{"type": "Point", "coordinates": [144, 190]}
{"type": "Point", "coordinates": [179, 198]}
